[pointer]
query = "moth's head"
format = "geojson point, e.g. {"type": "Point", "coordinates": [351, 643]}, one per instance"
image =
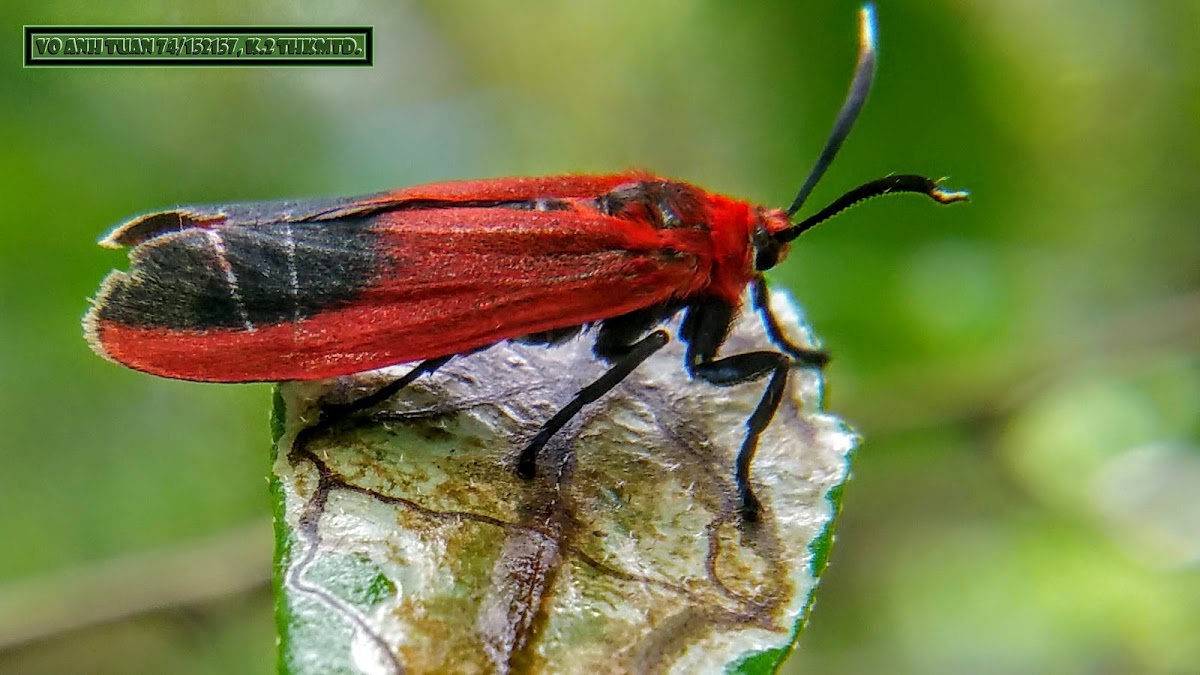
{"type": "Point", "coordinates": [769, 247]}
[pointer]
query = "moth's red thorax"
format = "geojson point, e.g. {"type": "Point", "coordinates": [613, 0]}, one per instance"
{"type": "Point", "coordinates": [736, 226]}
{"type": "Point", "coordinates": [730, 225]}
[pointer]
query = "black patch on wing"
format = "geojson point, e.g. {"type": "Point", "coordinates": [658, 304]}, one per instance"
{"type": "Point", "coordinates": [179, 282]}
{"type": "Point", "coordinates": [178, 285]}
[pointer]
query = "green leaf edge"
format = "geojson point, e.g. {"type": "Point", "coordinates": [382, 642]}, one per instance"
{"type": "Point", "coordinates": [770, 660]}
{"type": "Point", "coordinates": [283, 539]}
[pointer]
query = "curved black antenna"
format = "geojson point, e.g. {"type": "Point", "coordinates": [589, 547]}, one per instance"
{"type": "Point", "coordinates": [860, 86]}
{"type": "Point", "coordinates": [876, 188]}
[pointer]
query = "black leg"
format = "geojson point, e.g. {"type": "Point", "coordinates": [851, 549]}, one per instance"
{"type": "Point", "coordinates": [335, 411]}
{"type": "Point", "coordinates": [737, 369]}
{"type": "Point", "coordinates": [637, 352]}
{"type": "Point", "coordinates": [706, 327]}
{"type": "Point", "coordinates": [804, 355]}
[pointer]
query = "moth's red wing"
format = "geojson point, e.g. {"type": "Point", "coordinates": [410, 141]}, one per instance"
{"type": "Point", "coordinates": [309, 300]}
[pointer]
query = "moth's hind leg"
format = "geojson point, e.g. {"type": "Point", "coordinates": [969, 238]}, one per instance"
{"type": "Point", "coordinates": [632, 355]}
{"type": "Point", "coordinates": [335, 411]}
{"type": "Point", "coordinates": [331, 413]}
{"type": "Point", "coordinates": [620, 342]}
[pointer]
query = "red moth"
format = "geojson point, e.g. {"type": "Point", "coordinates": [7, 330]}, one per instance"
{"type": "Point", "coordinates": [301, 290]}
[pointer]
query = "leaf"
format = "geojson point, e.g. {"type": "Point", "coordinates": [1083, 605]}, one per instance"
{"type": "Point", "coordinates": [407, 543]}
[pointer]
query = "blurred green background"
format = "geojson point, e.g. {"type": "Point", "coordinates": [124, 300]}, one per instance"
{"type": "Point", "coordinates": [1025, 369]}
